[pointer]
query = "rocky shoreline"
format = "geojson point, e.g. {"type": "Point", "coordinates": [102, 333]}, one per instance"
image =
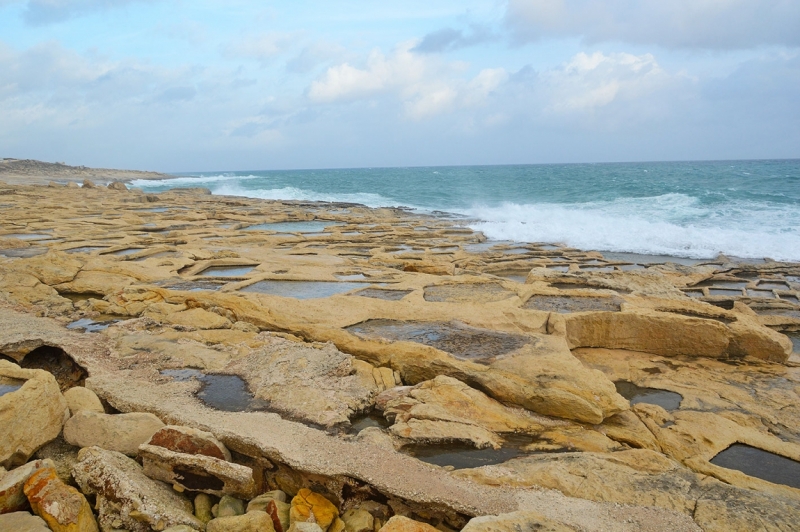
{"type": "Point", "coordinates": [316, 366]}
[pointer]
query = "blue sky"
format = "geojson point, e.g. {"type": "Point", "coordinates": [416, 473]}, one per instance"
{"type": "Point", "coordinates": [173, 85]}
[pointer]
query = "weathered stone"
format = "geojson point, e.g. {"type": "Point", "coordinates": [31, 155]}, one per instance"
{"type": "Point", "coordinates": [22, 522]}
{"type": "Point", "coordinates": [445, 410]}
{"type": "Point", "coordinates": [358, 520]}
{"type": "Point", "coordinates": [115, 432]}
{"type": "Point", "coordinates": [30, 416]}
{"type": "Point", "coordinates": [250, 522]}
{"type": "Point", "coordinates": [300, 526]}
{"type": "Point", "coordinates": [63, 508]}
{"type": "Point", "coordinates": [515, 522]}
{"type": "Point", "coordinates": [117, 185]}
{"type": "Point", "coordinates": [230, 506]}
{"type": "Point", "coordinates": [313, 507]}
{"type": "Point", "coordinates": [199, 318]}
{"type": "Point", "coordinates": [126, 497]}
{"type": "Point", "coordinates": [180, 528]}
{"type": "Point", "coordinates": [399, 523]}
{"type": "Point", "coordinates": [190, 441]}
{"type": "Point", "coordinates": [80, 398]}
{"type": "Point", "coordinates": [12, 496]}
{"type": "Point", "coordinates": [202, 507]}
{"type": "Point", "coordinates": [280, 513]}
{"type": "Point", "coordinates": [197, 472]}
{"type": "Point", "coordinates": [63, 456]}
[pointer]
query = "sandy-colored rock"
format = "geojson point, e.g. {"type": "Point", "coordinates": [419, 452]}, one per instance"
{"type": "Point", "coordinates": [115, 432]}
{"type": "Point", "coordinates": [80, 398]}
{"type": "Point", "coordinates": [63, 456]}
{"type": "Point", "coordinates": [398, 523]}
{"type": "Point", "coordinates": [308, 506]}
{"type": "Point", "coordinates": [515, 522]}
{"type": "Point", "coordinates": [63, 508]}
{"type": "Point", "coordinates": [358, 520]}
{"type": "Point", "coordinates": [307, 526]}
{"type": "Point", "coordinates": [255, 521]}
{"type": "Point", "coordinates": [199, 318]}
{"type": "Point", "coordinates": [229, 506]}
{"type": "Point", "coordinates": [22, 522]}
{"type": "Point", "coordinates": [202, 507]}
{"type": "Point", "coordinates": [445, 410]}
{"type": "Point", "coordinates": [12, 496]}
{"type": "Point", "coordinates": [30, 416]}
{"type": "Point", "coordinates": [117, 185]}
{"type": "Point", "coordinates": [189, 440]}
{"type": "Point", "coordinates": [197, 472]}
{"type": "Point", "coordinates": [126, 497]}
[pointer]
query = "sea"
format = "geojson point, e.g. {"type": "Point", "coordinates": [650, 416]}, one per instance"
{"type": "Point", "coordinates": [744, 209]}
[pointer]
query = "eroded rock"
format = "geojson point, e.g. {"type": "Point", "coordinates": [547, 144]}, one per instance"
{"type": "Point", "coordinates": [126, 497]}
{"type": "Point", "coordinates": [63, 508]}
{"type": "Point", "coordinates": [114, 432]}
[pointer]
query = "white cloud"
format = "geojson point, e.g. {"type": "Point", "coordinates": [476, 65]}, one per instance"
{"type": "Point", "coordinates": [591, 81]}
{"type": "Point", "coordinates": [425, 85]}
{"type": "Point", "coordinates": [709, 24]}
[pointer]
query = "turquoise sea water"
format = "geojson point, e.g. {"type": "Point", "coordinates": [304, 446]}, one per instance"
{"type": "Point", "coordinates": [745, 209]}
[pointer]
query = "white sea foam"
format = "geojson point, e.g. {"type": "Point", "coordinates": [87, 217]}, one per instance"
{"type": "Point", "coordinates": [292, 193]}
{"type": "Point", "coordinates": [672, 224]}
{"type": "Point", "coordinates": [193, 181]}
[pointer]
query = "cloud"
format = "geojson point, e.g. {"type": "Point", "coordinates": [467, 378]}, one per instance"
{"type": "Point", "coordinates": [592, 81]}
{"type": "Point", "coordinates": [39, 12]}
{"type": "Point", "coordinates": [448, 39]}
{"type": "Point", "coordinates": [701, 24]}
{"type": "Point", "coordinates": [424, 85]}
{"type": "Point", "coordinates": [313, 56]}
{"type": "Point", "coordinates": [262, 48]}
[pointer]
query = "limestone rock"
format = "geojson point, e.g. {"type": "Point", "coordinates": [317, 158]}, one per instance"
{"type": "Point", "coordinates": [308, 383]}
{"type": "Point", "coordinates": [115, 432]}
{"type": "Point", "coordinates": [190, 441]}
{"type": "Point", "coordinates": [391, 394]}
{"type": "Point", "coordinates": [358, 520]}
{"type": "Point", "coordinates": [197, 472]}
{"type": "Point", "coordinates": [63, 508]}
{"type": "Point", "coordinates": [126, 497]}
{"type": "Point", "coordinates": [63, 456]}
{"type": "Point", "coordinates": [80, 398]}
{"type": "Point", "coordinates": [299, 526]}
{"type": "Point", "coordinates": [230, 506]}
{"type": "Point", "coordinates": [22, 522]}
{"type": "Point", "coordinates": [445, 409]}
{"type": "Point", "coordinates": [180, 528]}
{"type": "Point", "coordinates": [255, 521]}
{"type": "Point", "coordinates": [54, 267]}
{"type": "Point", "coordinates": [515, 522]}
{"type": "Point", "coordinates": [202, 507]}
{"type": "Point", "coordinates": [308, 506]}
{"type": "Point", "coordinates": [12, 496]}
{"type": "Point", "coordinates": [280, 513]}
{"type": "Point", "coordinates": [398, 523]}
{"type": "Point", "coordinates": [199, 318]}
{"type": "Point", "coordinates": [117, 185]}
{"type": "Point", "coordinates": [30, 416]}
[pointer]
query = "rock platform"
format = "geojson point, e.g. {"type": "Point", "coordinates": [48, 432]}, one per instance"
{"type": "Point", "coordinates": [205, 350]}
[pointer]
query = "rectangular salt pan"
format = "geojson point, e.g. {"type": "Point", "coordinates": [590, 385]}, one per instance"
{"type": "Point", "coordinates": [293, 227]}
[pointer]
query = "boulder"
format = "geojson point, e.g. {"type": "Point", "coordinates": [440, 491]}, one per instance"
{"type": "Point", "coordinates": [358, 520]}
{"type": "Point", "coordinates": [63, 508]}
{"type": "Point", "coordinates": [249, 522]}
{"type": "Point", "coordinates": [515, 522]}
{"type": "Point", "coordinates": [115, 432]}
{"type": "Point", "coordinates": [299, 526]}
{"type": "Point", "coordinates": [274, 503]}
{"type": "Point", "coordinates": [309, 506]}
{"type": "Point", "coordinates": [30, 416]}
{"type": "Point", "coordinates": [202, 507]}
{"type": "Point", "coordinates": [12, 496]}
{"type": "Point", "coordinates": [197, 472]}
{"type": "Point", "coordinates": [398, 523]}
{"type": "Point", "coordinates": [126, 497]}
{"type": "Point", "coordinates": [117, 185]}
{"type": "Point", "coordinates": [22, 522]}
{"type": "Point", "coordinates": [229, 506]}
{"type": "Point", "coordinates": [190, 441]}
{"type": "Point", "coordinates": [80, 398]}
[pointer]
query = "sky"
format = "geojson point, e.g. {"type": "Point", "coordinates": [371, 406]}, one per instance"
{"type": "Point", "coordinates": [205, 85]}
